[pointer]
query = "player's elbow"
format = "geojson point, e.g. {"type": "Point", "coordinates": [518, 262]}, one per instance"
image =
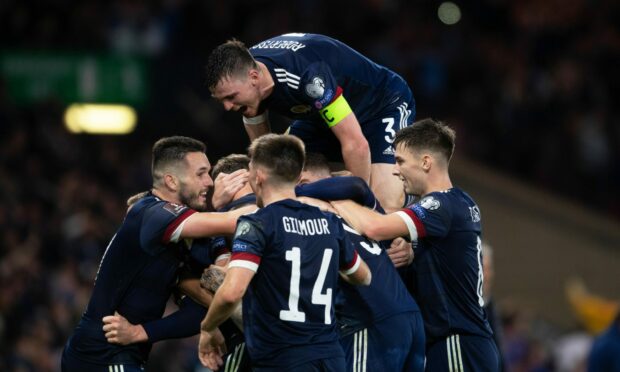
{"type": "Point", "coordinates": [230, 296]}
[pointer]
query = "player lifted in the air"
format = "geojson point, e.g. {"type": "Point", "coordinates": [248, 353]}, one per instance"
{"type": "Point", "coordinates": [343, 104]}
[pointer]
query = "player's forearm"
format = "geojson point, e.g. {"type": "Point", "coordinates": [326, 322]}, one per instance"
{"type": "Point", "coordinates": [220, 310]}
{"type": "Point", "coordinates": [184, 322]}
{"type": "Point", "coordinates": [356, 156]}
{"type": "Point", "coordinates": [256, 130]}
{"type": "Point", "coordinates": [200, 225]}
{"type": "Point", "coordinates": [353, 213]}
{"type": "Point", "coordinates": [192, 288]}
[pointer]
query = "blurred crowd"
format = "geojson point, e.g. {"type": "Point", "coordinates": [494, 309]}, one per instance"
{"type": "Point", "coordinates": [532, 87]}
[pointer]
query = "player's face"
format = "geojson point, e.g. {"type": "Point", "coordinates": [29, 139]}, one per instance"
{"type": "Point", "coordinates": [408, 168]}
{"type": "Point", "coordinates": [239, 94]}
{"type": "Point", "coordinates": [195, 181]}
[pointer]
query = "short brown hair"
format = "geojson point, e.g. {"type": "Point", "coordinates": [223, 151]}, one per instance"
{"type": "Point", "coordinates": [229, 59]}
{"type": "Point", "coordinates": [283, 155]}
{"type": "Point", "coordinates": [230, 163]}
{"type": "Point", "coordinates": [170, 151]}
{"type": "Point", "coordinates": [428, 134]}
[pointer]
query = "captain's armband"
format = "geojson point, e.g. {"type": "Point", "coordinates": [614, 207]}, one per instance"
{"type": "Point", "coordinates": [335, 111]}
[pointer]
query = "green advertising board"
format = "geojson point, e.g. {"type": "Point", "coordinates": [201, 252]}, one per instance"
{"type": "Point", "coordinates": [72, 77]}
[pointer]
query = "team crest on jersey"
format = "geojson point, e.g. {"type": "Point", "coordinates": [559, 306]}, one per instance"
{"type": "Point", "coordinates": [243, 228]}
{"type": "Point", "coordinates": [430, 203]}
{"type": "Point", "coordinates": [301, 109]}
{"type": "Point", "coordinates": [475, 213]}
{"type": "Point", "coordinates": [316, 88]}
{"type": "Point", "coordinates": [175, 209]}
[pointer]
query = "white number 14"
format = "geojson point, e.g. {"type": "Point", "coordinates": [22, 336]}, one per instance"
{"type": "Point", "coordinates": [293, 314]}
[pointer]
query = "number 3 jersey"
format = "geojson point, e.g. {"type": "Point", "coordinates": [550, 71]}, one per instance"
{"type": "Point", "coordinates": [448, 264]}
{"type": "Point", "coordinates": [311, 71]}
{"type": "Point", "coordinates": [296, 251]}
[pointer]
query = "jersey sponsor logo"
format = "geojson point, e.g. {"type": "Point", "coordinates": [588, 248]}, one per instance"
{"type": "Point", "coordinates": [430, 203]}
{"type": "Point", "coordinates": [280, 44]}
{"type": "Point", "coordinates": [475, 213]}
{"type": "Point", "coordinates": [316, 88]}
{"type": "Point", "coordinates": [301, 109]}
{"type": "Point", "coordinates": [284, 76]}
{"type": "Point", "coordinates": [175, 209]}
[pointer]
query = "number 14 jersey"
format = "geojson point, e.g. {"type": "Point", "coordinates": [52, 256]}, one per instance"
{"type": "Point", "coordinates": [296, 251]}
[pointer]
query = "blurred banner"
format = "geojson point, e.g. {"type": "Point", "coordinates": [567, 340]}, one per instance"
{"type": "Point", "coordinates": [32, 76]}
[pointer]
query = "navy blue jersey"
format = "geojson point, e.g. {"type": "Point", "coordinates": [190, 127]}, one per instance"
{"type": "Point", "coordinates": [360, 306]}
{"type": "Point", "coordinates": [136, 277]}
{"type": "Point", "coordinates": [448, 263]}
{"type": "Point", "coordinates": [605, 353]}
{"type": "Point", "coordinates": [310, 71]}
{"type": "Point", "coordinates": [296, 251]}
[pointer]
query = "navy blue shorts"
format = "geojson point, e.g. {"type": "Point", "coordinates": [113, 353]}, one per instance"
{"type": "Point", "coordinates": [70, 363]}
{"type": "Point", "coordinates": [379, 132]}
{"type": "Point", "coordinates": [319, 365]}
{"type": "Point", "coordinates": [392, 344]}
{"type": "Point", "coordinates": [463, 353]}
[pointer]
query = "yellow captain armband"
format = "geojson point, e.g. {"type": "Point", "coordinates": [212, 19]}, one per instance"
{"type": "Point", "coordinates": [335, 111]}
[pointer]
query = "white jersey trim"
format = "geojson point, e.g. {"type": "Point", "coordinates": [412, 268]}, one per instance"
{"type": "Point", "coordinates": [244, 264]}
{"type": "Point", "coordinates": [413, 232]}
{"type": "Point", "coordinates": [354, 268]}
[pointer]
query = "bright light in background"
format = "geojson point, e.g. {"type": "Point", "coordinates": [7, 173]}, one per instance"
{"type": "Point", "coordinates": [449, 13]}
{"type": "Point", "coordinates": [100, 119]}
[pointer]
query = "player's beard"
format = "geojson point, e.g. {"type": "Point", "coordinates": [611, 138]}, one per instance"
{"type": "Point", "coordinates": [192, 199]}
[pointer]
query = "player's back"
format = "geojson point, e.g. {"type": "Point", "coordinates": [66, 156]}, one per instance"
{"type": "Point", "coordinates": [136, 276]}
{"type": "Point", "coordinates": [288, 310]}
{"type": "Point", "coordinates": [448, 265]}
{"type": "Point", "coordinates": [301, 63]}
{"type": "Point", "coordinates": [361, 306]}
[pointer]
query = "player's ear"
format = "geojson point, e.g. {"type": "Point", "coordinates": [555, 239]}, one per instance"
{"type": "Point", "coordinates": [171, 181]}
{"type": "Point", "coordinates": [427, 162]}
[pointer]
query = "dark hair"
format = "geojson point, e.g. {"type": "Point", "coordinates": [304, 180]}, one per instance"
{"type": "Point", "coordinates": [316, 162]}
{"type": "Point", "coordinates": [283, 155]}
{"type": "Point", "coordinates": [427, 134]}
{"type": "Point", "coordinates": [229, 59]}
{"type": "Point", "coordinates": [169, 151]}
{"type": "Point", "coordinates": [230, 163]}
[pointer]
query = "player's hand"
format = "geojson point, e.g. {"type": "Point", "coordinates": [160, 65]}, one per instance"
{"type": "Point", "coordinates": [226, 186]}
{"type": "Point", "coordinates": [211, 349]}
{"type": "Point", "coordinates": [118, 330]}
{"type": "Point", "coordinates": [322, 205]}
{"type": "Point", "coordinates": [400, 252]}
{"type": "Point", "coordinates": [212, 278]}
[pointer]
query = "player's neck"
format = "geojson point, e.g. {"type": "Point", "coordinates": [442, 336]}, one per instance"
{"type": "Point", "coordinates": [165, 195]}
{"type": "Point", "coordinates": [438, 182]}
{"type": "Point", "coordinates": [245, 190]}
{"type": "Point", "coordinates": [266, 82]}
{"type": "Point", "coordinates": [275, 194]}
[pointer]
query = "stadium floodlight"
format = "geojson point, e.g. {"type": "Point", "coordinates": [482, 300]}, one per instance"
{"type": "Point", "coordinates": [449, 13]}
{"type": "Point", "coordinates": [100, 118]}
